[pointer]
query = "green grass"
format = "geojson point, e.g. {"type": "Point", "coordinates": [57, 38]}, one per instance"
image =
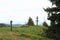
{"type": "Point", "coordinates": [23, 33]}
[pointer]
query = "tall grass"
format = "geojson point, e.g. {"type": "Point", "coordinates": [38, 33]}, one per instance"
{"type": "Point", "coordinates": [25, 33]}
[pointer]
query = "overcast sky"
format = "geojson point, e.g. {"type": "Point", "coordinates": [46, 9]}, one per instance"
{"type": "Point", "coordinates": [20, 10]}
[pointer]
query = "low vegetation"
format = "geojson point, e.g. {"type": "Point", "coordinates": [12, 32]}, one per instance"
{"type": "Point", "coordinates": [23, 33]}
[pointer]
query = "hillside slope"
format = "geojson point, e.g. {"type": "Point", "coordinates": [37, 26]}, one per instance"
{"type": "Point", "coordinates": [25, 33]}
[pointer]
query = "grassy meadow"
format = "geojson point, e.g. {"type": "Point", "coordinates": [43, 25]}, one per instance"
{"type": "Point", "coordinates": [23, 33]}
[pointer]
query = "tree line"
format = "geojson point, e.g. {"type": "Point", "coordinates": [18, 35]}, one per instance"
{"type": "Point", "coordinates": [29, 23]}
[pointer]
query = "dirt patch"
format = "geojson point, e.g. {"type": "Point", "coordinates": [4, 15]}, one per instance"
{"type": "Point", "coordinates": [12, 35]}
{"type": "Point", "coordinates": [25, 38]}
{"type": "Point", "coordinates": [15, 37]}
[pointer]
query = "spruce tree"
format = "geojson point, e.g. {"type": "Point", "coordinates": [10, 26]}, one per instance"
{"type": "Point", "coordinates": [30, 22]}
{"type": "Point", "coordinates": [45, 24]}
{"type": "Point", "coordinates": [54, 16]}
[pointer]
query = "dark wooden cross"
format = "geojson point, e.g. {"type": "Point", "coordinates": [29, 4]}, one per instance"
{"type": "Point", "coordinates": [11, 24]}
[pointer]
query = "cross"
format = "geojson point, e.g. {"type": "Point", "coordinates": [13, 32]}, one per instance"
{"type": "Point", "coordinates": [11, 24]}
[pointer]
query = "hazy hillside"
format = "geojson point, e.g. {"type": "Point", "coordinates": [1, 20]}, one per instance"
{"type": "Point", "coordinates": [17, 25]}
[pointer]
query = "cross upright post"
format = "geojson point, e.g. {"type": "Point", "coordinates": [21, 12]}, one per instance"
{"type": "Point", "coordinates": [11, 24]}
